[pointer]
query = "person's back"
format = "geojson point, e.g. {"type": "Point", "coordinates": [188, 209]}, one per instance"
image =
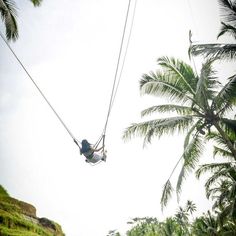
{"type": "Point", "coordinates": [86, 149]}
{"type": "Point", "coordinates": [90, 154]}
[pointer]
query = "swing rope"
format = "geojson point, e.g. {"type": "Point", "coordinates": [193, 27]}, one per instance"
{"type": "Point", "coordinates": [125, 53]}
{"type": "Point", "coordinates": [117, 67]}
{"type": "Point", "coordinates": [114, 86]}
{"type": "Point", "coordinates": [40, 91]}
{"type": "Point", "coordinates": [117, 82]}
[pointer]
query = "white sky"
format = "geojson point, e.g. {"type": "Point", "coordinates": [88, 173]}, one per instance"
{"type": "Point", "coordinates": [71, 49]}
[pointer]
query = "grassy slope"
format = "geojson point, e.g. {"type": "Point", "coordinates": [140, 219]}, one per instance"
{"type": "Point", "coordinates": [18, 218]}
{"type": "Point", "coordinates": [3, 192]}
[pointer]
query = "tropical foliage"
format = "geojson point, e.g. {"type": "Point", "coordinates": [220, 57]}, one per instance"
{"type": "Point", "coordinates": [181, 224]}
{"type": "Point", "coordinates": [202, 108]}
{"type": "Point", "coordinates": [207, 224]}
{"type": "Point", "coordinates": [221, 185]}
{"type": "Point", "coordinates": [8, 11]}
{"type": "Point", "coordinates": [198, 103]}
{"type": "Point", "coordinates": [226, 51]}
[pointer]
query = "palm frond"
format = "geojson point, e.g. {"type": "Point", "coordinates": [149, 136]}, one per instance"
{"type": "Point", "coordinates": [181, 110]}
{"type": "Point", "coordinates": [223, 148]}
{"type": "Point", "coordinates": [220, 51]}
{"type": "Point", "coordinates": [166, 194]}
{"type": "Point", "coordinates": [212, 167]}
{"type": "Point", "coordinates": [159, 84]}
{"type": "Point", "coordinates": [190, 132]}
{"type": "Point", "coordinates": [229, 127]}
{"type": "Point", "coordinates": [190, 206]}
{"type": "Point", "coordinates": [137, 130]}
{"type": "Point", "coordinates": [226, 212]}
{"type": "Point", "coordinates": [222, 152]}
{"type": "Point", "coordinates": [180, 71]}
{"type": "Point", "coordinates": [201, 92]}
{"type": "Point", "coordinates": [168, 126]}
{"type": "Point", "coordinates": [8, 15]}
{"type": "Point", "coordinates": [211, 82]}
{"type": "Point", "coordinates": [228, 9]}
{"type": "Point", "coordinates": [213, 192]}
{"type": "Point", "coordinates": [206, 84]}
{"type": "Point", "coordinates": [191, 157]}
{"type": "Point", "coordinates": [222, 176]}
{"type": "Point", "coordinates": [158, 127]}
{"type": "Point", "coordinates": [226, 98]}
{"type": "Point", "coordinates": [11, 27]}
{"type": "Point", "coordinates": [182, 176]}
{"type": "Point", "coordinates": [216, 137]}
{"type": "Point", "coordinates": [227, 29]}
{"type": "Point", "coordinates": [36, 3]}
{"type": "Point", "coordinates": [213, 180]}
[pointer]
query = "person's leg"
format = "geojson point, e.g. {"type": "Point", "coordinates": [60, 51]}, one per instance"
{"type": "Point", "coordinates": [95, 158]}
{"type": "Point", "coordinates": [104, 157]}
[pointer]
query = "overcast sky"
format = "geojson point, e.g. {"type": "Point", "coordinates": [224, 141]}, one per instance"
{"type": "Point", "coordinates": [70, 48]}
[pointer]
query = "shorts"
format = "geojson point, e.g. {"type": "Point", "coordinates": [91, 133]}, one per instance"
{"type": "Point", "coordinates": [95, 158]}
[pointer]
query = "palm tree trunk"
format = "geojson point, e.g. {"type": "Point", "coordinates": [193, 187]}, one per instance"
{"type": "Point", "coordinates": [226, 138]}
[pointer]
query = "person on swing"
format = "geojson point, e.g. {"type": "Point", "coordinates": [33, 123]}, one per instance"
{"type": "Point", "coordinates": [90, 153]}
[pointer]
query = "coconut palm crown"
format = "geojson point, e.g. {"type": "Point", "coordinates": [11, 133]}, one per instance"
{"type": "Point", "coordinates": [8, 11]}
{"type": "Point", "coordinates": [199, 103]}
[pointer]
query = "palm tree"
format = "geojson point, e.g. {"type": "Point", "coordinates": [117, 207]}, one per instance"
{"type": "Point", "coordinates": [170, 227]}
{"type": "Point", "coordinates": [8, 13]}
{"type": "Point", "coordinates": [190, 207]}
{"type": "Point", "coordinates": [146, 226]}
{"type": "Point", "coordinates": [204, 103]}
{"type": "Point", "coordinates": [206, 225]}
{"type": "Point", "coordinates": [221, 185]}
{"type": "Point", "coordinates": [182, 219]}
{"type": "Point", "coordinates": [217, 50]}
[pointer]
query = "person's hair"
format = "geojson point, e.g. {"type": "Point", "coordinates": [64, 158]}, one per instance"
{"type": "Point", "coordinates": [86, 146]}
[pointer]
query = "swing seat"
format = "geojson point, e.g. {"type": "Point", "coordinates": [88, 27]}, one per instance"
{"type": "Point", "coordinates": [96, 159]}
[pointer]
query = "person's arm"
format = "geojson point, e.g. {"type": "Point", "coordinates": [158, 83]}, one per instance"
{"type": "Point", "coordinates": [98, 149]}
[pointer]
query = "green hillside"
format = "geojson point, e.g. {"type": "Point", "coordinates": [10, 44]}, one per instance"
{"type": "Point", "coordinates": [18, 218]}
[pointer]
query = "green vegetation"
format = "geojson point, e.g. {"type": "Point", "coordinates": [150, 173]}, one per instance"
{"type": "Point", "coordinates": [3, 192]}
{"type": "Point", "coordinates": [16, 222]}
{"type": "Point", "coordinates": [221, 185]}
{"type": "Point", "coordinates": [202, 107]}
{"type": "Point", "coordinates": [181, 224]}
{"type": "Point", "coordinates": [19, 218]}
{"type": "Point", "coordinates": [8, 11]}
{"type": "Point", "coordinates": [200, 104]}
{"type": "Point", "coordinates": [223, 51]}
